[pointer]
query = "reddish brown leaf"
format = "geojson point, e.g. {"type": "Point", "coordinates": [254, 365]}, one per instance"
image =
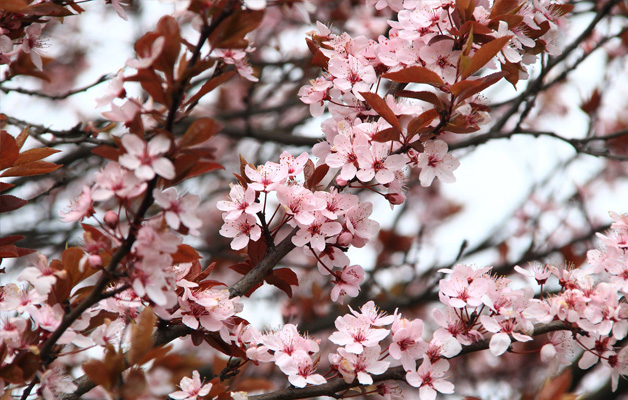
{"type": "Point", "coordinates": [501, 7]}
{"type": "Point", "coordinates": [142, 335]}
{"type": "Point", "coordinates": [32, 168]}
{"type": "Point", "coordinates": [387, 135]}
{"type": "Point", "coordinates": [9, 150]}
{"type": "Point", "coordinates": [280, 278]}
{"type": "Point", "coordinates": [4, 186]}
{"type": "Point", "coordinates": [378, 104]}
{"type": "Point", "coordinates": [415, 74]}
{"type": "Point", "coordinates": [108, 152]}
{"type": "Point", "coordinates": [185, 254]}
{"type": "Point", "coordinates": [230, 33]}
{"type": "Point", "coordinates": [199, 131]}
{"type": "Point", "coordinates": [13, 5]}
{"type": "Point", "coordinates": [462, 90]}
{"type": "Point", "coordinates": [169, 29]}
{"type": "Point", "coordinates": [484, 55]}
{"type": "Point", "coordinates": [10, 203]}
{"type": "Point", "coordinates": [97, 372]}
{"type": "Point", "coordinates": [21, 138]}
{"type": "Point", "coordinates": [257, 250]}
{"type": "Point", "coordinates": [203, 167]}
{"type": "Point", "coordinates": [308, 171]}
{"type": "Point", "coordinates": [48, 9]}
{"type": "Point", "coordinates": [34, 155]}
{"type": "Point", "coordinates": [134, 384]}
{"type": "Point", "coordinates": [317, 176]}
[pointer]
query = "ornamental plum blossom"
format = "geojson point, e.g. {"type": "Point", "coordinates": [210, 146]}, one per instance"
{"type": "Point", "coordinates": [436, 162]}
{"type": "Point", "coordinates": [360, 365]}
{"type": "Point", "coordinates": [267, 177]}
{"type": "Point", "coordinates": [242, 201]}
{"type": "Point", "coordinates": [178, 210]}
{"type": "Point", "coordinates": [429, 378]}
{"type": "Point", "coordinates": [376, 162]}
{"type": "Point", "coordinates": [191, 388]}
{"type": "Point", "coordinates": [114, 180]}
{"type": "Point", "coordinates": [356, 333]}
{"type": "Point", "coordinates": [348, 282]}
{"type": "Point", "coordinates": [316, 233]}
{"type": "Point", "coordinates": [145, 159]}
{"type": "Point", "coordinates": [79, 208]}
{"type": "Point", "coordinates": [407, 343]}
{"type": "Point", "coordinates": [241, 230]}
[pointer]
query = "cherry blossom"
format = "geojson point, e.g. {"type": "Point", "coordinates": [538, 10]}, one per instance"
{"type": "Point", "coordinates": [429, 378]}
{"type": "Point", "coordinates": [241, 230]}
{"type": "Point", "coordinates": [191, 388]}
{"type": "Point", "coordinates": [178, 210]}
{"type": "Point", "coordinates": [242, 201]}
{"type": "Point", "coordinates": [80, 208]}
{"type": "Point", "coordinates": [436, 162]}
{"type": "Point", "coordinates": [361, 365]}
{"type": "Point", "coordinates": [145, 159]}
{"type": "Point", "coordinates": [348, 283]}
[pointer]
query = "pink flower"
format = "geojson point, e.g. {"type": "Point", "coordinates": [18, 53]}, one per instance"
{"type": "Point", "coordinates": [348, 283]}
{"type": "Point", "coordinates": [351, 75]}
{"type": "Point", "coordinates": [435, 162]}
{"type": "Point", "coordinates": [124, 113]}
{"type": "Point", "coordinates": [79, 209]}
{"type": "Point", "coordinates": [301, 369]}
{"type": "Point", "coordinates": [178, 210]}
{"type": "Point", "coordinates": [293, 164]}
{"type": "Point", "coordinates": [242, 201]}
{"type": "Point", "coordinates": [361, 365]}
{"type": "Point", "coordinates": [429, 378]}
{"type": "Point", "coordinates": [145, 158]}
{"type": "Point", "coordinates": [266, 177]}
{"type": "Point", "coordinates": [191, 388]}
{"type": "Point", "coordinates": [407, 343]}
{"type": "Point", "coordinates": [356, 334]}
{"type": "Point", "coordinates": [54, 383]}
{"type": "Point", "coordinates": [360, 227]}
{"type": "Point", "coordinates": [210, 308]}
{"type": "Point", "coordinates": [113, 180]}
{"type": "Point", "coordinates": [115, 90]}
{"type": "Point", "coordinates": [376, 162]}
{"type": "Point", "coordinates": [316, 233]}
{"type": "Point", "coordinates": [344, 154]}
{"type": "Point", "coordinates": [32, 45]}
{"type": "Point", "coordinates": [300, 203]}
{"type": "Point", "coordinates": [241, 230]}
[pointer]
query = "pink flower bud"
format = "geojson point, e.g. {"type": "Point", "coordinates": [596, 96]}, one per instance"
{"type": "Point", "coordinates": [111, 219]}
{"type": "Point", "coordinates": [341, 182]}
{"type": "Point", "coordinates": [395, 198]}
{"type": "Point", "coordinates": [344, 239]}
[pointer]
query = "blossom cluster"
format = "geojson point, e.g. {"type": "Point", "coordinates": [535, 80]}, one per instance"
{"type": "Point", "coordinates": [326, 222]}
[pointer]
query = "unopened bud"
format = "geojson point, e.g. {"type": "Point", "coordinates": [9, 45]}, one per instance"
{"type": "Point", "coordinates": [341, 182]}
{"type": "Point", "coordinates": [395, 198]}
{"type": "Point", "coordinates": [111, 219]}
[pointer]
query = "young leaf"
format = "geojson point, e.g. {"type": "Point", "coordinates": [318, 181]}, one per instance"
{"type": "Point", "coordinates": [9, 150]}
{"type": "Point", "coordinates": [484, 55]}
{"type": "Point", "coordinates": [142, 335]}
{"type": "Point", "coordinates": [10, 203]}
{"type": "Point", "coordinates": [378, 104]}
{"type": "Point", "coordinates": [199, 131]}
{"type": "Point", "coordinates": [32, 168]}
{"type": "Point", "coordinates": [415, 74]}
